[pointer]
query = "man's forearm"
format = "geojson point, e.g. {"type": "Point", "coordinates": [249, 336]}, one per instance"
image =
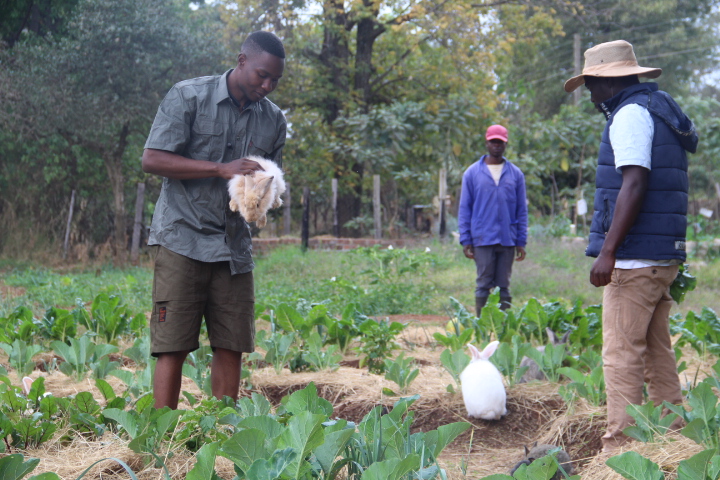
{"type": "Point", "coordinates": [172, 165]}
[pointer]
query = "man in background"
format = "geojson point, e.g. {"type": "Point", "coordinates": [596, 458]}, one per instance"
{"type": "Point", "coordinates": [492, 218]}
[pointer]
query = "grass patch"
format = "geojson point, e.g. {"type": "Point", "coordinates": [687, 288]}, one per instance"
{"type": "Point", "coordinates": [413, 281]}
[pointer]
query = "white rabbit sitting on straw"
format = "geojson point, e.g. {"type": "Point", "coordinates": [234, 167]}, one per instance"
{"type": "Point", "coordinates": [253, 195]}
{"type": "Point", "coordinates": [482, 385]}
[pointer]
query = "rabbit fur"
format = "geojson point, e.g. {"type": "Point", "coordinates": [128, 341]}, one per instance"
{"type": "Point", "coordinates": [533, 372]}
{"type": "Point", "coordinates": [482, 385]}
{"type": "Point", "coordinates": [253, 195]}
{"type": "Point", "coordinates": [539, 451]}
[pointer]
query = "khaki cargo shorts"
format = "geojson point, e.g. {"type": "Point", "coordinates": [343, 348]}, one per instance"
{"type": "Point", "coordinates": [186, 290]}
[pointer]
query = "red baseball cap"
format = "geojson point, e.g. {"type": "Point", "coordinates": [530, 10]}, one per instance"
{"type": "Point", "coordinates": [497, 131]}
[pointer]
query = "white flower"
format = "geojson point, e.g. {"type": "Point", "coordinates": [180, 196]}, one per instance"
{"type": "Point", "coordinates": [390, 247]}
{"type": "Point", "coordinates": [427, 249]}
{"type": "Point", "coordinates": [332, 279]}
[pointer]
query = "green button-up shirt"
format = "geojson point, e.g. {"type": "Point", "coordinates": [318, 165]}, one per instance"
{"type": "Point", "coordinates": [198, 120]}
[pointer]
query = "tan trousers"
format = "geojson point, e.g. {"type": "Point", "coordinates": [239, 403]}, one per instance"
{"type": "Point", "coordinates": [636, 345]}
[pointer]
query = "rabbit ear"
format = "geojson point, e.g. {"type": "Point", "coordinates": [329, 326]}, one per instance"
{"type": "Point", "coordinates": [551, 336]}
{"type": "Point", "coordinates": [27, 384]}
{"type": "Point", "coordinates": [527, 451]}
{"type": "Point", "coordinates": [489, 350]}
{"type": "Point", "coordinates": [263, 185]}
{"type": "Point", "coordinates": [565, 337]}
{"type": "Point", "coordinates": [474, 352]}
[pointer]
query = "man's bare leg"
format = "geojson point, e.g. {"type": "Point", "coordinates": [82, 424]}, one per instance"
{"type": "Point", "coordinates": [168, 379]}
{"type": "Point", "coordinates": [225, 373]}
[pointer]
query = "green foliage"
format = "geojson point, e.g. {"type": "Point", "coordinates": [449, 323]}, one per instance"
{"type": "Point", "coordinates": [683, 283]}
{"type": "Point", "coordinates": [454, 363]}
{"type": "Point", "coordinates": [278, 348]}
{"type": "Point", "coordinates": [18, 325]}
{"type": "Point", "coordinates": [197, 367]}
{"type": "Point", "coordinates": [14, 467]}
{"type": "Point", "coordinates": [58, 324]}
{"type": "Point", "coordinates": [634, 466]}
{"type": "Point", "coordinates": [590, 385]}
{"type": "Point", "coordinates": [145, 428]}
{"type": "Point", "coordinates": [507, 359]}
{"type": "Point", "coordinates": [703, 418]}
{"type": "Point", "coordinates": [378, 343]}
{"type": "Point", "coordinates": [82, 355]}
{"type": "Point", "coordinates": [25, 422]}
{"type": "Point", "coordinates": [456, 339]}
{"type": "Point", "coordinates": [649, 422]}
{"type": "Point", "coordinates": [112, 319]}
{"type": "Point", "coordinates": [550, 360]}
{"type": "Point", "coordinates": [319, 359]}
{"type": "Point", "coordinates": [20, 356]}
{"type": "Point", "coordinates": [702, 331]}
{"type": "Point", "coordinates": [401, 371]}
{"type": "Point", "coordinates": [139, 382]}
{"type": "Point", "coordinates": [701, 466]}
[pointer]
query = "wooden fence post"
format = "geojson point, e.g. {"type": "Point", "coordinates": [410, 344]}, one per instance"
{"type": "Point", "coordinates": [442, 193]}
{"type": "Point", "coordinates": [286, 211]}
{"type": "Point", "coordinates": [66, 243]}
{"type": "Point", "coordinates": [137, 226]}
{"type": "Point", "coordinates": [305, 219]}
{"type": "Point", "coordinates": [377, 207]}
{"type": "Point", "coordinates": [336, 223]}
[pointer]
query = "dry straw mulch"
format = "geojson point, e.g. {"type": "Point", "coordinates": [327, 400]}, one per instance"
{"type": "Point", "coordinates": [535, 413]}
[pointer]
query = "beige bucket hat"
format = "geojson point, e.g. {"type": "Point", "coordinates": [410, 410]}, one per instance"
{"type": "Point", "coordinates": [611, 59]}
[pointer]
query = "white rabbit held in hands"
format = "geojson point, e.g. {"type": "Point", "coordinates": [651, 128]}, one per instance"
{"type": "Point", "coordinates": [482, 385]}
{"type": "Point", "coordinates": [253, 195]}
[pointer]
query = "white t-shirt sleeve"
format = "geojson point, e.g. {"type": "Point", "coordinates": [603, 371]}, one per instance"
{"type": "Point", "coordinates": [631, 135]}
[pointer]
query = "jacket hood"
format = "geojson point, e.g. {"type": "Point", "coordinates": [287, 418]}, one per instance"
{"type": "Point", "coordinates": [663, 106]}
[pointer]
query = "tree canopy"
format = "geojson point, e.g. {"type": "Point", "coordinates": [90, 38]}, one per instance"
{"type": "Point", "coordinates": [399, 88]}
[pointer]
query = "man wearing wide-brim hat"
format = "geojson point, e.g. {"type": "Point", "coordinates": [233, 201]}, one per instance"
{"type": "Point", "coordinates": [638, 227]}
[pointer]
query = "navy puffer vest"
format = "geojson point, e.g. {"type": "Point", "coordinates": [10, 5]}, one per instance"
{"type": "Point", "coordinates": [659, 230]}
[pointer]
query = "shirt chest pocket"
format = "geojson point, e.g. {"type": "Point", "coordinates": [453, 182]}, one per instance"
{"type": "Point", "coordinates": [206, 142]}
{"type": "Point", "coordinates": [260, 145]}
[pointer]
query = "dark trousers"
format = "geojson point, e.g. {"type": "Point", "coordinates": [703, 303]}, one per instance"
{"type": "Point", "coordinates": [494, 267]}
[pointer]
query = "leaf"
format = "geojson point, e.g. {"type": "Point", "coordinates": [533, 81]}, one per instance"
{"type": "Point", "coordinates": [245, 447]}
{"type": "Point", "coordinates": [703, 402]}
{"type": "Point", "coordinates": [127, 420]}
{"type": "Point", "coordinates": [204, 468]}
{"type": "Point", "coordinates": [634, 466]}
{"type": "Point", "coordinates": [696, 431]}
{"type": "Point", "coordinates": [697, 467]}
{"type": "Point", "coordinates": [329, 451]}
{"type": "Point", "coordinates": [392, 469]}
{"type": "Point", "coordinates": [542, 468]}
{"type": "Point", "coordinates": [105, 389]}
{"type": "Point", "coordinates": [445, 435]}
{"type": "Point", "coordinates": [13, 467]}
{"type": "Point", "coordinates": [304, 434]}
{"type": "Point", "coordinates": [266, 424]}
{"type": "Point", "coordinates": [307, 400]}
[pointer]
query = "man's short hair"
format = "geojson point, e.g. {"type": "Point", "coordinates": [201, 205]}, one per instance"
{"type": "Point", "coordinates": [261, 41]}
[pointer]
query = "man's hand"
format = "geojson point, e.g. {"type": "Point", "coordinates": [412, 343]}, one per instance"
{"type": "Point", "coordinates": [469, 251]}
{"type": "Point", "coordinates": [602, 269]}
{"type": "Point", "coordinates": [240, 166]}
{"type": "Point", "coordinates": [519, 254]}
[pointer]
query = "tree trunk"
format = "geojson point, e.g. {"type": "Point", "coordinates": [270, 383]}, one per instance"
{"type": "Point", "coordinates": [113, 164]}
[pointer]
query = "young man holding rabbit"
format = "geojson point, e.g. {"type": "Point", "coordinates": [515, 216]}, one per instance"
{"type": "Point", "coordinates": [638, 228]}
{"type": "Point", "coordinates": [492, 218]}
{"type": "Point", "coordinates": [202, 135]}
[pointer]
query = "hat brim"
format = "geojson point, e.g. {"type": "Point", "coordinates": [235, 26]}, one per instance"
{"type": "Point", "coordinates": [496, 137]}
{"type": "Point", "coordinates": [572, 84]}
